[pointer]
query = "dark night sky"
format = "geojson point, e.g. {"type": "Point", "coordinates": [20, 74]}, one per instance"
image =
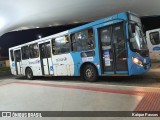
{"type": "Point", "coordinates": [19, 37]}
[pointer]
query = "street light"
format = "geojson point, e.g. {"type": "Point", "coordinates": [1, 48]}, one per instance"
{"type": "Point", "coordinates": [39, 36]}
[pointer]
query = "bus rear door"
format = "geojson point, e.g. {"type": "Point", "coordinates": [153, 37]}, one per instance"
{"type": "Point", "coordinates": [18, 61]}
{"type": "Point", "coordinates": [46, 60]}
{"type": "Point", "coordinates": [113, 50]}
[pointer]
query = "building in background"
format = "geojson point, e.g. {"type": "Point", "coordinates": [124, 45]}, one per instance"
{"type": "Point", "coordinates": [4, 61]}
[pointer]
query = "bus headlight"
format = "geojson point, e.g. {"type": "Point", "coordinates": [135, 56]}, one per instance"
{"type": "Point", "coordinates": [137, 61]}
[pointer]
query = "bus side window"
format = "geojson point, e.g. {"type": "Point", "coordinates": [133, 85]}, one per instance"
{"type": "Point", "coordinates": [155, 38]}
{"type": "Point", "coordinates": [60, 45]}
{"type": "Point", "coordinates": [65, 45]}
{"type": "Point", "coordinates": [12, 56]}
{"type": "Point", "coordinates": [25, 52]}
{"type": "Point", "coordinates": [53, 46]}
{"type": "Point", "coordinates": [90, 39]}
{"type": "Point", "coordinates": [34, 50]}
{"type": "Point", "coordinates": [48, 50]}
{"type": "Point", "coordinates": [68, 44]}
{"type": "Point", "coordinates": [106, 38]}
{"type": "Point", "coordinates": [73, 43]}
{"type": "Point", "coordinates": [82, 40]}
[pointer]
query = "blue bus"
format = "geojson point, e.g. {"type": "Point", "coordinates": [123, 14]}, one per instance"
{"type": "Point", "coordinates": [113, 46]}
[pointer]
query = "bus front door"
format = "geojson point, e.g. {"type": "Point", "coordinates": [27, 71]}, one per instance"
{"type": "Point", "coordinates": [46, 61]}
{"type": "Point", "coordinates": [18, 62]}
{"type": "Point", "coordinates": [113, 50]}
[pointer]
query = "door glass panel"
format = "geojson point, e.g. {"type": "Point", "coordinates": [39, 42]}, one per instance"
{"type": "Point", "coordinates": [45, 55]}
{"type": "Point", "coordinates": [34, 50]}
{"type": "Point", "coordinates": [46, 50]}
{"type": "Point", "coordinates": [113, 49]}
{"type": "Point", "coordinates": [43, 51]}
{"type": "Point", "coordinates": [12, 56]}
{"type": "Point", "coordinates": [106, 47]}
{"type": "Point", "coordinates": [17, 55]}
{"type": "Point", "coordinates": [119, 48]}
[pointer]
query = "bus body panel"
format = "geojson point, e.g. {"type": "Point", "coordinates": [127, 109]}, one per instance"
{"type": "Point", "coordinates": [135, 69]}
{"type": "Point", "coordinates": [12, 67]}
{"type": "Point", "coordinates": [25, 64]}
{"type": "Point", "coordinates": [50, 64]}
{"type": "Point", "coordinates": [107, 20]}
{"type": "Point", "coordinates": [63, 65]}
{"type": "Point", "coordinates": [34, 64]}
{"type": "Point", "coordinates": [12, 64]}
{"type": "Point", "coordinates": [79, 60]}
{"type": "Point", "coordinates": [154, 48]}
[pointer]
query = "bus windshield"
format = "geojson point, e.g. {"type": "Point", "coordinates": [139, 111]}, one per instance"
{"type": "Point", "coordinates": [137, 40]}
{"type": "Point", "coordinates": [137, 37]}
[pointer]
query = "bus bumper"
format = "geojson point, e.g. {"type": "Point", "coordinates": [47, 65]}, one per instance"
{"type": "Point", "coordinates": [139, 70]}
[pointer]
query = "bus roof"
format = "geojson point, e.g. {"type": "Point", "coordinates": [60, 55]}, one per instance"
{"type": "Point", "coordinates": [153, 30]}
{"type": "Point", "coordinates": [119, 15]}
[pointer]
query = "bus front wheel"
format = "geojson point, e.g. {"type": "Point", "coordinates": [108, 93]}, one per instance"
{"type": "Point", "coordinates": [29, 74]}
{"type": "Point", "coordinates": [90, 73]}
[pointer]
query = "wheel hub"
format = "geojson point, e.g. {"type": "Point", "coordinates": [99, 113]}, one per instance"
{"type": "Point", "coordinates": [89, 73]}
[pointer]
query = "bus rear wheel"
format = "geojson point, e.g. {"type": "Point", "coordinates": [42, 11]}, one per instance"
{"type": "Point", "coordinates": [90, 73]}
{"type": "Point", "coordinates": [29, 74]}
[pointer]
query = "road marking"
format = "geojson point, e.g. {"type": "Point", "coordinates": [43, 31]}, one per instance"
{"type": "Point", "coordinates": [131, 86]}
{"type": "Point", "coordinates": [101, 84]}
{"type": "Point", "coordinates": [7, 83]}
{"type": "Point", "coordinates": [96, 89]}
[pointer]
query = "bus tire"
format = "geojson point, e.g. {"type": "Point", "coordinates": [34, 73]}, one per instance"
{"type": "Point", "coordinates": [90, 73]}
{"type": "Point", "coordinates": [29, 74]}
